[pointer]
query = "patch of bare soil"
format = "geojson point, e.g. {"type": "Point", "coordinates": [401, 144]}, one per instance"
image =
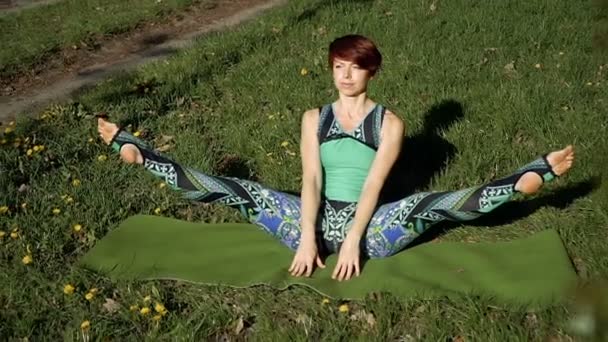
{"type": "Point", "coordinates": [107, 50]}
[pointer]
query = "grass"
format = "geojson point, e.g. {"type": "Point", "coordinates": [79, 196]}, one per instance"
{"type": "Point", "coordinates": [32, 35]}
{"type": "Point", "coordinates": [241, 93]}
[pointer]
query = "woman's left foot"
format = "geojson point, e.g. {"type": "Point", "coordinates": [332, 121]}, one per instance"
{"type": "Point", "coordinates": [560, 162]}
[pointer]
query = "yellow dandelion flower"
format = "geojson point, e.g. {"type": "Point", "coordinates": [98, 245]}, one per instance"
{"type": "Point", "coordinates": [3, 209]}
{"type": "Point", "coordinates": [38, 148]}
{"type": "Point", "coordinates": [76, 182]}
{"type": "Point", "coordinates": [325, 301]}
{"type": "Point", "coordinates": [12, 123]}
{"type": "Point", "coordinates": [538, 65]}
{"type": "Point", "coordinates": [85, 325]}
{"type": "Point", "coordinates": [8, 130]}
{"type": "Point", "coordinates": [77, 228]}
{"type": "Point", "coordinates": [56, 211]}
{"type": "Point", "coordinates": [23, 205]}
{"type": "Point", "coordinates": [69, 200]}
{"type": "Point", "coordinates": [160, 308]}
{"type": "Point", "coordinates": [133, 308]}
{"type": "Point", "coordinates": [94, 290]}
{"type": "Point", "coordinates": [343, 308]}
{"type": "Point", "coordinates": [144, 310]}
{"type": "Point", "coordinates": [29, 152]}
{"type": "Point", "coordinates": [285, 143]}
{"type": "Point", "coordinates": [2, 233]}
{"type": "Point", "coordinates": [157, 317]}
{"type": "Point", "coordinates": [102, 157]}
{"type": "Point", "coordinates": [304, 72]}
{"type": "Point", "coordinates": [15, 234]}
{"type": "Point", "coordinates": [89, 296]}
{"type": "Point", "coordinates": [3, 141]}
{"type": "Point", "coordinates": [137, 133]}
{"type": "Point", "coordinates": [162, 185]}
{"type": "Point", "coordinates": [27, 259]}
{"type": "Point", "coordinates": [157, 211]}
{"type": "Point", "coordinates": [147, 299]}
{"type": "Point", "coordinates": [68, 289]}
{"type": "Point", "coordinates": [90, 140]}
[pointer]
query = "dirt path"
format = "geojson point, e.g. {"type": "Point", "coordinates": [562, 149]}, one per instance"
{"type": "Point", "coordinates": [81, 67]}
{"type": "Point", "coordinates": [8, 6]}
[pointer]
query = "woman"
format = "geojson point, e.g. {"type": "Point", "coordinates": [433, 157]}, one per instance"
{"type": "Point", "coordinates": [348, 148]}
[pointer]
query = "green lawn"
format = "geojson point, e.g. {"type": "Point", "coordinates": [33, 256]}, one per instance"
{"type": "Point", "coordinates": [30, 36]}
{"type": "Point", "coordinates": [241, 93]}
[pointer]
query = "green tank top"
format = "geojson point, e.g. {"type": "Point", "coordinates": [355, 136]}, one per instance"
{"type": "Point", "coordinates": [346, 157]}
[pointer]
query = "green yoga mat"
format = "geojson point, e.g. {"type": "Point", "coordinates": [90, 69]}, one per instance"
{"type": "Point", "coordinates": [533, 270]}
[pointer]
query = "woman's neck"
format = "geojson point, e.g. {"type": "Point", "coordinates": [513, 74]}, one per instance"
{"type": "Point", "coordinates": [354, 107]}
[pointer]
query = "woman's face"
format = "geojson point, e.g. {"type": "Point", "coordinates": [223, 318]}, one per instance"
{"type": "Point", "coordinates": [349, 78]}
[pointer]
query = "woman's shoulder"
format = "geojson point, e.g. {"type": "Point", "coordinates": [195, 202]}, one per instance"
{"type": "Point", "coordinates": [393, 121]}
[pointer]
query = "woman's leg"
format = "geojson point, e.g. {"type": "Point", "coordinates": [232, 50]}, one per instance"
{"type": "Point", "coordinates": [276, 212]}
{"type": "Point", "coordinates": [395, 225]}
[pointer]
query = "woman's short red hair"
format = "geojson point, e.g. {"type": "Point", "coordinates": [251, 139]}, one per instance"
{"type": "Point", "coordinates": [357, 49]}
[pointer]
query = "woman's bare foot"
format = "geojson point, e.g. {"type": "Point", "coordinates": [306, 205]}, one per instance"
{"type": "Point", "coordinates": [128, 152]}
{"type": "Point", "coordinates": [560, 162]}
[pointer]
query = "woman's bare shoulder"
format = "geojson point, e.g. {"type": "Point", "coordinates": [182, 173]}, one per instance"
{"type": "Point", "coordinates": [311, 116]}
{"type": "Point", "coordinates": [393, 121]}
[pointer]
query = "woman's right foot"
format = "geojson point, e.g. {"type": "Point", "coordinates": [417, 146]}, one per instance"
{"type": "Point", "coordinates": [560, 162]}
{"type": "Point", "coordinates": [128, 152]}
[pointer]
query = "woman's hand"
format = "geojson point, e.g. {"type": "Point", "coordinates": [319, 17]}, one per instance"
{"type": "Point", "coordinates": [306, 256]}
{"type": "Point", "coordinates": [348, 260]}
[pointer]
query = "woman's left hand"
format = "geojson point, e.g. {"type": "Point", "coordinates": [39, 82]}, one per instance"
{"type": "Point", "coordinates": [348, 260]}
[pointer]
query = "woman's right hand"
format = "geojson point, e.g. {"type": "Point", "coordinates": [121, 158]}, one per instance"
{"type": "Point", "coordinates": [306, 256]}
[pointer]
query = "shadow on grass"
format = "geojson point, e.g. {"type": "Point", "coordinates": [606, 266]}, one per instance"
{"type": "Point", "coordinates": [424, 154]}
{"type": "Point", "coordinates": [512, 211]}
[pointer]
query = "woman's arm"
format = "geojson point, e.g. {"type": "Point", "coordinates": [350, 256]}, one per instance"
{"type": "Point", "coordinates": [312, 177]}
{"type": "Point", "coordinates": [392, 133]}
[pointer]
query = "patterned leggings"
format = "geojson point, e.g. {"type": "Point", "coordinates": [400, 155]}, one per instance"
{"type": "Point", "coordinates": [392, 227]}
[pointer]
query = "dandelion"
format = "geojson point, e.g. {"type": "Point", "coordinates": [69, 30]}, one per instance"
{"type": "Point", "coordinates": [56, 211]}
{"type": "Point", "coordinates": [75, 182]}
{"type": "Point", "coordinates": [90, 140]}
{"type": "Point", "coordinates": [144, 311]}
{"type": "Point", "coordinates": [325, 301]}
{"type": "Point", "coordinates": [133, 308]}
{"type": "Point", "coordinates": [77, 228]}
{"type": "Point", "coordinates": [69, 200]}
{"type": "Point", "coordinates": [27, 259]}
{"type": "Point", "coordinates": [285, 143]}
{"type": "Point", "coordinates": [538, 66]}
{"type": "Point", "coordinates": [89, 296]}
{"type": "Point", "coordinates": [158, 307]}
{"type": "Point", "coordinates": [147, 299]}
{"type": "Point", "coordinates": [15, 233]}
{"type": "Point", "coordinates": [29, 152]}
{"type": "Point", "coordinates": [304, 72]}
{"type": "Point", "coordinates": [343, 308]}
{"type": "Point", "coordinates": [94, 290]}
{"type": "Point", "coordinates": [24, 205]}
{"type": "Point", "coordinates": [3, 209]}
{"type": "Point", "coordinates": [8, 130]}
{"type": "Point", "coordinates": [157, 211]}
{"type": "Point", "coordinates": [68, 289]}
{"type": "Point", "coordinates": [3, 142]}
{"type": "Point", "coordinates": [157, 318]}
{"type": "Point", "coordinates": [2, 233]}
{"type": "Point", "coordinates": [102, 157]}
{"type": "Point", "coordinates": [85, 325]}
{"type": "Point", "coordinates": [38, 148]}
{"type": "Point", "coordinates": [137, 133]}
{"type": "Point", "coordinates": [162, 185]}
